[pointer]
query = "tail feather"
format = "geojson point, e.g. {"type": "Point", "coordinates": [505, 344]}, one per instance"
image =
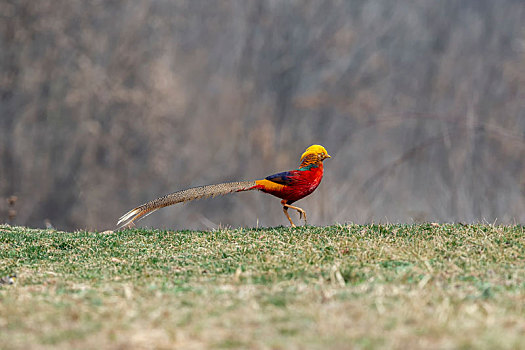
{"type": "Point", "coordinates": [183, 196]}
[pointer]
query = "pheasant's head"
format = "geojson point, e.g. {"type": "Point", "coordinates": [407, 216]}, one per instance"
{"type": "Point", "coordinates": [317, 152]}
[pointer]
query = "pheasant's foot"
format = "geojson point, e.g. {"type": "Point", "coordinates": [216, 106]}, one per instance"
{"type": "Point", "coordinates": [300, 211]}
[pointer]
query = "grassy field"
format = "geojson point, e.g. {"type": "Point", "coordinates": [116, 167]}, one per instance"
{"type": "Point", "coordinates": [344, 286]}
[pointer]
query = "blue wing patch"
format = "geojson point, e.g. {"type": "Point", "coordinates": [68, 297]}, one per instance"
{"type": "Point", "coordinates": [284, 178]}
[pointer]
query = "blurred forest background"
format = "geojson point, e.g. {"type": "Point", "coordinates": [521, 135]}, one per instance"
{"type": "Point", "coordinates": [107, 104]}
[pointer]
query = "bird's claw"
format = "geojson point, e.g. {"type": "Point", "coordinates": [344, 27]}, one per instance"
{"type": "Point", "coordinates": [302, 214]}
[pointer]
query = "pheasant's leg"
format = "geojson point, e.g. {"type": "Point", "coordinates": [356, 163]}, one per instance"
{"type": "Point", "coordinates": [299, 210]}
{"type": "Point", "coordinates": [285, 210]}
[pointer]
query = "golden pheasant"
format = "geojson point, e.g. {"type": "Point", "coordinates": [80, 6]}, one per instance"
{"type": "Point", "coordinates": [290, 186]}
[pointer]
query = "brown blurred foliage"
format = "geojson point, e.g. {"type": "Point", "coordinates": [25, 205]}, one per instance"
{"type": "Point", "coordinates": [108, 104]}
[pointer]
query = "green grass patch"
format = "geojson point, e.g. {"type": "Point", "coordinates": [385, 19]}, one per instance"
{"type": "Point", "coordinates": [394, 286]}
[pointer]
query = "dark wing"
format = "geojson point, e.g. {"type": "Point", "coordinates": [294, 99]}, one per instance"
{"type": "Point", "coordinates": [284, 178]}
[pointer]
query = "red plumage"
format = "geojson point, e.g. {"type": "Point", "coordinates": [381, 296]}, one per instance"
{"type": "Point", "coordinates": [299, 183]}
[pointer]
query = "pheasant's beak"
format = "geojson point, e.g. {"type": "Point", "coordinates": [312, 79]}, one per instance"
{"type": "Point", "coordinates": [324, 156]}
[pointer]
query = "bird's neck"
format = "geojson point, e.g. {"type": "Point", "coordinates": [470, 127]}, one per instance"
{"type": "Point", "coordinates": [311, 161]}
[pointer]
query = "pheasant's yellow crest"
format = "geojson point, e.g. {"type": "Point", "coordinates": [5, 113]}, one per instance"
{"type": "Point", "coordinates": [315, 149]}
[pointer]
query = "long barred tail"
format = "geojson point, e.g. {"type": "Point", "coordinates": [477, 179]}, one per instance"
{"type": "Point", "coordinates": [183, 196]}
